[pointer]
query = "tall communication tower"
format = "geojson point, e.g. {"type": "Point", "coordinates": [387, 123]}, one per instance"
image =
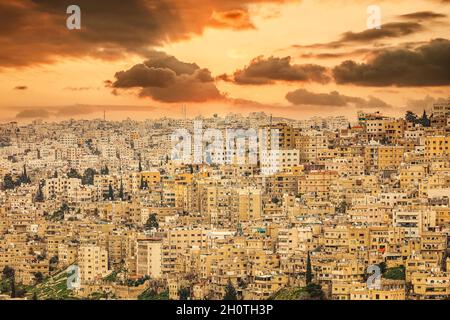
{"type": "Point", "coordinates": [184, 112]}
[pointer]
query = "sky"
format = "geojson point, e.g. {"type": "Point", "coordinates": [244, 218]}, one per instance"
{"type": "Point", "coordinates": [290, 58]}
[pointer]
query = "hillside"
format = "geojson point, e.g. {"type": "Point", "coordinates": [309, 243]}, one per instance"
{"type": "Point", "coordinates": [52, 288]}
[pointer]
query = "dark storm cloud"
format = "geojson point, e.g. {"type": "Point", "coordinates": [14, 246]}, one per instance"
{"type": "Point", "coordinates": [388, 30]}
{"type": "Point", "coordinates": [157, 59]}
{"type": "Point", "coordinates": [268, 70]}
{"type": "Point", "coordinates": [422, 15]}
{"type": "Point", "coordinates": [34, 31]}
{"type": "Point", "coordinates": [167, 79]}
{"type": "Point", "coordinates": [334, 98]}
{"type": "Point", "coordinates": [428, 65]}
{"type": "Point", "coordinates": [335, 55]}
{"type": "Point", "coordinates": [141, 75]}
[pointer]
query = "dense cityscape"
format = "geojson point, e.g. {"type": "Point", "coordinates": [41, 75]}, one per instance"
{"type": "Point", "coordinates": [224, 158]}
{"type": "Point", "coordinates": [358, 209]}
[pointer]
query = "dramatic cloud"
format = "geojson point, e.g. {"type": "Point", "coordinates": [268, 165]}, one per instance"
{"type": "Point", "coordinates": [388, 30]}
{"type": "Point", "coordinates": [20, 88]}
{"type": "Point", "coordinates": [34, 31]}
{"type": "Point", "coordinates": [423, 15]}
{"type": "Point", "coordinates": [265, 71]}
{"type": "Point", "coordinates": [142, 75]}
{"type": "Point", "coordinates": [164, 78]}
{"type": "Point", "coordinates": [334, 98]}
{"type": "Point", "coordinates": [335, 54]}
{"type": "Point", "coordinates": [428, 65]}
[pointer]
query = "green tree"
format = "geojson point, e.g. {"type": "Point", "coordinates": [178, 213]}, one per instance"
{"type": "Point", "coordinates": [54, 260]}
{"type": "Point", "coordinates": [382, 266]}
{"type": "Point", "coordinates": [38, 277]}
{"type": "Point", "coordinates": [151, 294]}
{"type": "Point", "coordinates": [121, 193]}
{"type": "Point", "coordinates": [8, 182]}
{"type": "Point", "coordinates": [151, 222]}
{"type": "Point", "coordinates": [24, 176]}
{"type": "Point", "coordinates": [309, 274]}
{"type": "Point", "coordinates": [110, 192]}
{"type": "Point", "coordinates": [411, 117]}
{"type": "Point", "coordinates": [230, 292]}
{"type": "Point", "coordinates": [342, 208]}
{"type": "Point", "coordinates": [20, 292]}
{"type": "Point", "coordinates": [59, 214]}
{"type": "Point", "coordinates": [8, 272]}
{"type": "Point", "coordinates": [140, 164]}
{"type": "Point", "coordinates": [53, 263]}
{"type": "Point", "coordinates": [104, 170]}
{"type": "Point", "coordinates": [10, 275]}
{"type": "Point", "coordinates": [425, 121]}
{"type": "Point", "coordinates": [73, 173]}
{"type": "Point", "coordinates": [397, 273]}
{"type": "Point", "coordinates": [5, 142]}
{"type": "Point", "coordinates": [184, 293]}
{"type": "Point", "coordinates": [142, 186]}
{"type": "Point", "coordinates": [13, 287]}
{"type": "Point", "coordinates": [39, 194]}
{"type": "Point", "coordinates": [315, 291]}
{"type": "Point", "coordinates": [88, 176]}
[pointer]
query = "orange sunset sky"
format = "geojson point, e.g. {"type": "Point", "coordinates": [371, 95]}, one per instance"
{"type": "Point", "coordinates": [147, 58]}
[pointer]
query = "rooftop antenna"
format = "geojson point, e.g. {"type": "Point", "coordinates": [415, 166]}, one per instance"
{"type": "Point", "coordinates": [183, 111]}
{"type": "Point", "coordinates": [104, 115]}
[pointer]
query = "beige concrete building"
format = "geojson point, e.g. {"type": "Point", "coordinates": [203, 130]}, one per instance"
{"type": "Point", "coordinates": [149, 257]}
{"type": "Point", "coordinates": [93, 263]}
